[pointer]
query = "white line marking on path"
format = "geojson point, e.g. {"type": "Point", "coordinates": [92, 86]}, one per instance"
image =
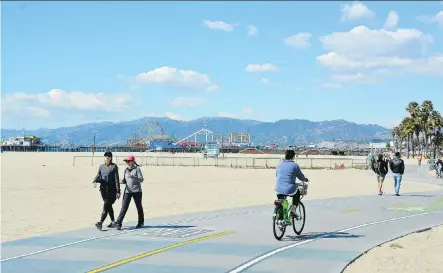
{"type": "Point", "coordinates": [134, 230]}
{"type": "Point", "coordinates": [254, 261]}
{"type": "Point", "coordinates": [121, 233]}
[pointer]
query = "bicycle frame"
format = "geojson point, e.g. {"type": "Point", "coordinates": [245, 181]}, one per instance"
{"type": "Point", "coordinates": [287, 205]}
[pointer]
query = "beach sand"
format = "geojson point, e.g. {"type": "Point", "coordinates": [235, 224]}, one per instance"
{"type": "Point", "coordinates": [43, 193]}
{"type": "Point", "coordinates": [417, 252]}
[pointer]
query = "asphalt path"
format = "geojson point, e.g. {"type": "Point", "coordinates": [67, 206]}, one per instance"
{"type": "Point", "coordinates": [337, 231]}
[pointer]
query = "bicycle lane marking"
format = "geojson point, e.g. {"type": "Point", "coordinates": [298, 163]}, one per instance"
{"type": "Point", "coordinates": [258, 259]}
{"type": "Point", "coordinates": [134, 230]}
{"type": "Point", "coordinates": [121, 233]}
{"type": "Point", "coordinates": [153, 252]}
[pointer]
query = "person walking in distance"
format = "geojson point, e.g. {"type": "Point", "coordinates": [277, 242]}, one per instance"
{"type": "Point", "coordinates": [380, 167]}
{"type": "Point", "coordinates": [397, 167]}
{"type": "Point", "coordinates": [108, 178]}
{"type": "Point", "coordinates": [133, 178]}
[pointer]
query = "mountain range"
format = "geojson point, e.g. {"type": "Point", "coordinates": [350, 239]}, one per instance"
{"type": "Point", "coordinates": [282, 132]}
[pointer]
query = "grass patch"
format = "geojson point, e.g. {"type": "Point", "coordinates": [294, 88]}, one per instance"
{"type": "Point", "coordinates": [395, 245]}
{"type": "Point", "coordinates": [349, 210]}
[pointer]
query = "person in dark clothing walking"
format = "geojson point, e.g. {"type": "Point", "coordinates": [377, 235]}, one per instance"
{"type": "Point", "coordinates": [133, 178]}
{"type": "Point", "coordinates": [108, 178]}
{"type": "Point", "coordinates": [380, 167]}
{"type": "Point", "coordinates": [397, 167]}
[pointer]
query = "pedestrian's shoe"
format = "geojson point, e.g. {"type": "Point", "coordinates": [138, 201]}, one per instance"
{"type": "Point", "coordinates": [139, 226]}
{"type": "Point", "coordinates": [112, 225]}
{"type": "Point", "coordinates": [99, 225]}
{"type": "Point", "coordinates": [397, 194]}
{"type": "Point", "coordinates": [118, 226]}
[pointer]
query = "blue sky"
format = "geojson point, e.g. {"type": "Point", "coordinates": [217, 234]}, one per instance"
{"type": "Point", "coordinates": [67, 63]}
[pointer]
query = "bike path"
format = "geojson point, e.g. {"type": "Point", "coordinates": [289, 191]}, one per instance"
{"type": "Point", "coordinates": [236, 240]}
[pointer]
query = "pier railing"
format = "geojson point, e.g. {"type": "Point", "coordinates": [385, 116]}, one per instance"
{"type": "Point", "coordinates": [229, 162]}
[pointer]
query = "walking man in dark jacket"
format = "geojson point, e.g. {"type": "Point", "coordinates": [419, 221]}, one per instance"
{"type": "Point", "coordinates": [397, 167]}
{"type": "Point", "coordinates": [380, 167]}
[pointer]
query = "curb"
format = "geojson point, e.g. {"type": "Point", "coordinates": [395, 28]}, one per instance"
{"type": "Point", "coordinates": [407, 234]}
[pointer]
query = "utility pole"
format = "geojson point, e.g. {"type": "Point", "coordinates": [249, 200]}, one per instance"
{"type": "Point", "coordinates": [93, 147]}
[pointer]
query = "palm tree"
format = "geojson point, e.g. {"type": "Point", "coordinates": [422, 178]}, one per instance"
{"type": "Point", "coordinates": [436, 124]}
{"type": "Point", "coordinates": [415, 113]}
{"type": "Point", "coordinates": [407, 132]}
{"type": "Point", "coordinates": [424, 120]}
{"type": "Point", "coordinates": [396, 136]}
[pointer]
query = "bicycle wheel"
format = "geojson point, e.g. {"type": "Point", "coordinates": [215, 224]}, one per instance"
{"type": "Point", "coordinates": [278, 226]}
{"type": "Point", "coordinates": [298, 220]}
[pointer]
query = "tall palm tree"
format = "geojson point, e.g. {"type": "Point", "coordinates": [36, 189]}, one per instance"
{"type": "Point", "coordinates": [407, 132]}
{"type": "Point", "coordinates": [436, 123]}
{"type": "Point", "coordinates": [424, 122]}
{"type": "Point", "coordinates": [396, 136]}
{"type": "Point", "coordinates": [414, 111]}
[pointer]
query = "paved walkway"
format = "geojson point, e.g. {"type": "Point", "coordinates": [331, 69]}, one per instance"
{"type": "Point", "coordinates": [238, 240]}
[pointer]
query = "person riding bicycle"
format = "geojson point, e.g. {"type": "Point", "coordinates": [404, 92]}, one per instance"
{"type": "Point", "coordinates": [287, 172]}
{"type": "Point", "coordinates": [438, 167]}
{"type": "Point", "coordinates": [419, 158]}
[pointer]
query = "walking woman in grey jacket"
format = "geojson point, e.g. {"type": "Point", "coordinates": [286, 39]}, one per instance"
{"type": "Point", "coordinates": [133, 178]}
{"type": "Point", "coordinates": [107, 177]}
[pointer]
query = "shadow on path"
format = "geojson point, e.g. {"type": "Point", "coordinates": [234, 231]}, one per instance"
{"type": "Point", "coordinates": [417, 195]}
{"type": "Point", "coordinates": [149, 227]}
{"type": "Point", "coordinates": [323, 235]}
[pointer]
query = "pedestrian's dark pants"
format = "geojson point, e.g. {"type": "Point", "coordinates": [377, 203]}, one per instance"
{"type": "Point", "coordinates": [137, 196]}
{"type": "Point", "coordinates": [295, 198]}
{"type": "Point", "coordinates": [108, 197]}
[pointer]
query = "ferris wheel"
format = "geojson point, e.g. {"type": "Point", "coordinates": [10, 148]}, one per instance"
{"type": "Point", "coordinates": [151, 130]}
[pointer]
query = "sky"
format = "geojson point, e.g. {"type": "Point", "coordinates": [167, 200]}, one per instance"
{"type": "Point", "coordinates": [69, 63]}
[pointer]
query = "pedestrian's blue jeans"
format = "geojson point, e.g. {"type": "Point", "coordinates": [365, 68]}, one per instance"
{"type": "Point", "coordinates": [397, 182]}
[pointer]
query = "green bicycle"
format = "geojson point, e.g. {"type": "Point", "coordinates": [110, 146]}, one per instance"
{"type": "Point", "coordinates": [284, 214]}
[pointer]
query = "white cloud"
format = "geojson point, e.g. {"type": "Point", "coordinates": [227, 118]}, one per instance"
{"type": "Point", "coordinates": [331, 85]}
{"type": "Point", "coordinates": [261, 67]}
{"type": "Point", "coordinates": [70, 99]}
{"type": "Point", "coordinates": [219, 25]}
{"type": "Point", "coordinates": [431, 66]}
{"type": "Point", "coordinates": [392, 20]}
{"type": "Point", "coordinates": [265, 80]}
{"type": "Point", "coordinates": [364, 41]}
{"type": "Point", "coordinates": [299, 40]}
{"type": "Point", "coordinates": [173, 116]}
{"type": "Point", "coordinates": [355, 11]}
{"type": "Point", "coordinates": [352, 78]}
{"type": "Point", "coordinates": [248, 111]}
{"type": "Point", "coordinates": [175, 77]}
{"type": "Point", "coordinates": [252, 30]}
{"type": "Point", "coordinates": [39, 112]}
{"type": "Point", "coordinates": [364, 48]}
{"type": "Point", "coordinates": [226, 115]}
{"type": "Point", "coordinates": [188, 102]}
{"type": "Point", "coordinates": [336, 61]}
{"type": "Point", "coordinates": [438, 18]}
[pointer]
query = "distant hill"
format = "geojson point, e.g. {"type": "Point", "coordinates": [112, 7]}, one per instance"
{"type": "Point", "coordinates": [281, 132]}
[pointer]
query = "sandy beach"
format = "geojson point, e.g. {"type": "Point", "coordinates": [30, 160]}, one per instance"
{"type": "Point", "coordinates": [417, 252]}
{"type": "Point", "coordinates": [43, 193]}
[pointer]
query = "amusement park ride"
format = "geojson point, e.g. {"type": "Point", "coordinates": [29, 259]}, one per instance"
{"type": "Point", "coordinates": [149, 131]}
{"type": "Point", "coordinates": [151, 134]}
